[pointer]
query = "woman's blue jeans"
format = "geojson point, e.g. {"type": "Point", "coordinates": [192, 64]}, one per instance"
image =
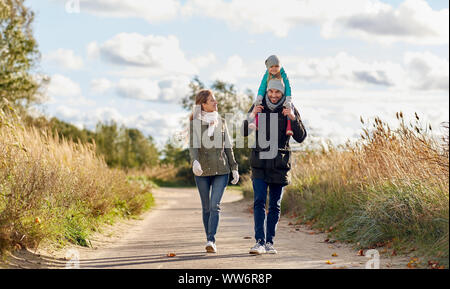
{"type": "Point", "coordinates": [259, 210]}
{"type": "Point", "coordinates": [211, 191]}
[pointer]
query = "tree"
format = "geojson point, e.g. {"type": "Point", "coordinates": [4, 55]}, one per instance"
{"type": "Point", "coordinates": [173, 154]}
{"type": "Point", "coordinates": [142, 151]}
{"type": "Point", "coordinates": [125, 147]}
{"type": "Point", "coordinates": [18, 54]}
{"type": "Point", "coordinates": [229, 101]}
{"type": "Point", "coordinates": [106, 139]}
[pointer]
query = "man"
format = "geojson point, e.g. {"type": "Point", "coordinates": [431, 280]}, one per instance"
{"type": "Point", "coordinates": [271, 172]}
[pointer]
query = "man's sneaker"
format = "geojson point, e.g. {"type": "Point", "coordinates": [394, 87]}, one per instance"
{"type": "Point", "coordinates": [211, 247]}
{"type": "Point", "coordinates": [270, 249]}
{"type": "Point", "coordinates": [258, 249]}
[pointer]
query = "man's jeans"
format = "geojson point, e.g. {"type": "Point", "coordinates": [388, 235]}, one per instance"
{"type": "Point", "coordinates": [259, 210]}
{"type": "Point", "coordinates": [211, 191]}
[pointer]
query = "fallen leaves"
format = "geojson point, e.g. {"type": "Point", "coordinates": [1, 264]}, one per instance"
{"type": "Point", "coordinates": [334, 255]}
{"type": "Point", "coordinates": [413, 263]}
{"type": "Point", "coordinates": [171, 254]}
{"type": "Point", "coordinates": [435, 265]}
{"type": "Point", "coordinates": [37, 220]}
{"type": "Point", "coordinates": [329, 262]}
{"type": "Point", "coordinates": [360, 253]}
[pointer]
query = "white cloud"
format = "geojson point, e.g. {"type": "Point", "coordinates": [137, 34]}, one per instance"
{"type": "Point", "coordinates": [173, 89]}
{"type": "Point", "coordinates": [93, 50]}
{"type": "Point", "coordinates": [166, 90]}
{"type": "Point", "coordinates": [413, 21]}
{"type": "Point", "coordinates": [427, 71]}
{"type": "Point", "coordinates": [204, 60]}
{"type": "Point", "coordinates": [143, 89]}
{"type": "Point", "coordinates": [62, 86]}
{"type": "Point", "coordinates": [64, 58]}
{"type": "Point", "coordinates": [67, 112]}
{"type": "Point", "coordinates": [157, 55]}
{"type": "Point", "coordinates": [106, 114]}
{"type": "Point", "coordinates": [335, 114]}
{"type": "Point", "coordinates": [101, 85]}
{"type": "Point", "coordinates": [346, 70]}
{"type": "Point", "coordinates": [62, 89]}
{"type": "Point", "coordinates": [232, 71]}
{"type": "Point", "coordinates": [419, 71]}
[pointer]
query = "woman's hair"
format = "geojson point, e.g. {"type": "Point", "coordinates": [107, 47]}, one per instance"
{"type": "Point", "coordinates": [201, 98]}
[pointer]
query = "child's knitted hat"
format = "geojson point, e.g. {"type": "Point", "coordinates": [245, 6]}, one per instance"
{"type": "Point", "coordinates": [276, 84]}
{"type": "Point", "coordinates": [271, 61]}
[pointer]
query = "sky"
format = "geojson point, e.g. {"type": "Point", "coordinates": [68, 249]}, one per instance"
{"type": "Point", "coordinates": [131, 61]}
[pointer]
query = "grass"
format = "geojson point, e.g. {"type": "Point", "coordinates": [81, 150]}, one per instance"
{"type": "Point", "coordinates": [56, 190]}
{"type": "Point", "coordinates": [391, 188]}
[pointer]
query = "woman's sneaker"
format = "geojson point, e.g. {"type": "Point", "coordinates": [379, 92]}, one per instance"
{"type": "Point", "coordinates": [211, 247]}
{"type": "Point", "coordinates": [258, 249]}
{"type": "Point", "coordinates": [270, 249]}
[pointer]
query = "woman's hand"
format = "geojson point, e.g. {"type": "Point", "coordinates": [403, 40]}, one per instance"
{"type": "Point", "coordinates": [235, 177]}
{"type": "Point", "coordinates": [288, 112]}
{"type": "Point", "coordinates": [197, 168]}
{"type": "Point", "coordinates": [257, 109]}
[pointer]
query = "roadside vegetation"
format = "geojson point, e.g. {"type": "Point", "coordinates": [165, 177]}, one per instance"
{"type": "Point", "coordinates": [58, 183]}
{"type": "Point", "coordinates": [57, 190]}
{"type": "Point", "coordinates": [389, 189]}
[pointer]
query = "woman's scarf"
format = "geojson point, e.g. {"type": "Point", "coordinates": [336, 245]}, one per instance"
{"type": "Point", "coordinates": [273, 106]}
{"type": "Point", "coordinates": [212, 118]}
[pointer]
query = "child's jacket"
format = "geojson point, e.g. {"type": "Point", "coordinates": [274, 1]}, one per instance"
{"type": "Point", "coordinates": [263, 86]}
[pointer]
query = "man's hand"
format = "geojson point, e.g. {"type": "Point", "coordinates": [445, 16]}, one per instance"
{"type": "Point", "coordinates": [257, 109]}
{"type": "Point", "coordinates": [288, 112]}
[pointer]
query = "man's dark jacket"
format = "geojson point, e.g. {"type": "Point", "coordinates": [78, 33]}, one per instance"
{"type": "Point", "coordinates": [275, 171]}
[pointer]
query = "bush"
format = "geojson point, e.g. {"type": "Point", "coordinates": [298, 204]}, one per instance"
{"type": "Point", "coordinates": [390, 185]}
{"type": "Point", "coordinates": [58, 190]}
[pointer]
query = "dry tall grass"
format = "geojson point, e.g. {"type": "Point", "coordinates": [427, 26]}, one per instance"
{"type": "Point", "coordinates": [393, 184]}
{"type": "Point", "coordinates": [58, 190]}
{"type": "Point", "coordinates": [390, 187]}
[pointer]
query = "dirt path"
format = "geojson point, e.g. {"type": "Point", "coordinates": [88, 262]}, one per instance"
{"type": "Point", "coordinates": [175, 226]}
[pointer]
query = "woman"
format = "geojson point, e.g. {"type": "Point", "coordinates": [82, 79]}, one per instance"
{"type": "Point", "coordinates": [212, 161]}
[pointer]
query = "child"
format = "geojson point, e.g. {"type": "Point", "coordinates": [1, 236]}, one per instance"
{"type": "Point", "coordinates": [274, 70]}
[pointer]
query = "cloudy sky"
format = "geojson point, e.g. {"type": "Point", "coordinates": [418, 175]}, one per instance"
{"type": "Point", "coordinates": [131, 61]}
